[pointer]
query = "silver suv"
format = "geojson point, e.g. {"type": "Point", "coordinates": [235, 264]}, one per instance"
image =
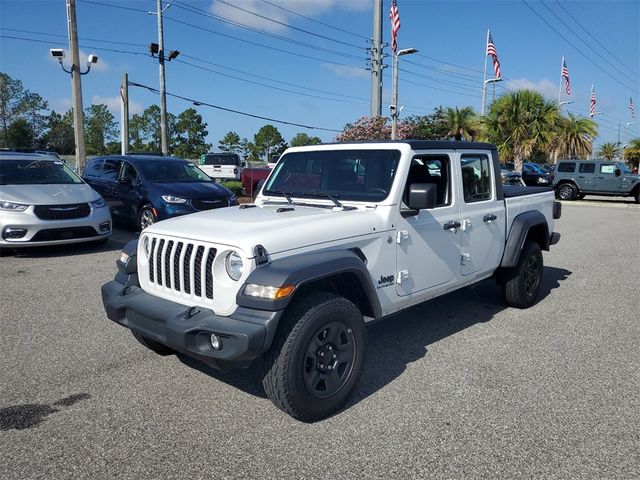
{"type": "Point", "coordinates": [42, 202]}
{"type": "Point", "coordinates": [573, 179]}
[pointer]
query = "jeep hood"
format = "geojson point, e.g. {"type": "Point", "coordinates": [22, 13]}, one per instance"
{"type": "Point", "coordinates": [277, 231]}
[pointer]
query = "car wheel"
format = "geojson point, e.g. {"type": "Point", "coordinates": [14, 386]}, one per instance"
{"type": "Point", "coordinates": [152, 345]}
{"type": "Point", "coordinates": [147, 217]}
{"type": "Point", "coordinates": [316, 357]}
{"type": "Point", "coordinates": [523, 282]}
{"type": "Point", "coordinates": [567, 191]}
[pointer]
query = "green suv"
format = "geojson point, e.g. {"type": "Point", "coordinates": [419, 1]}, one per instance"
{"type": "Point", "coordinates": [573, 179]}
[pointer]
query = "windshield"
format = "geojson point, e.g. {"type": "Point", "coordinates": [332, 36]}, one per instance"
{"type": "Point", "coordinates": [219, 160]}
{"type": "Point", "coordinates": [36, 172]}
{"type": "Point", "coordinates": [623, 168]}
{"type": "Point", "coordinates": [532, 167]}
{"type": "Point", "coordinates": [358, 175]}
{"type": "Point", "coordinates": [169, 171]}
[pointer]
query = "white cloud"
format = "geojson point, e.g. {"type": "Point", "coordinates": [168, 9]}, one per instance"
{"type": "Point", "coordinates": [544, 86]}
{"type": "Point", "coordinates": [60, 105]}
{"type": "Point", "coordinates": [346, 71]}
{"type": "Point", "coordinates": [113, 104]}
{"type": "Point", "coordinates": [101, 66]}
{"type": "Point", "coordinates": [310, 8]}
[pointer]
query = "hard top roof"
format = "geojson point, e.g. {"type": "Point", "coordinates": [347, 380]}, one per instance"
{"type": "Point", "coordinates": [428, 144]}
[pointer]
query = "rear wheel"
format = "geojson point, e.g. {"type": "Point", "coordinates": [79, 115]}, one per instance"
{"type": "Point", "coordinates": [523, 282]}
{"type": "Point", "coordinates": [567, 191]}
{"type": "Point", "coordinates": [316, 357]}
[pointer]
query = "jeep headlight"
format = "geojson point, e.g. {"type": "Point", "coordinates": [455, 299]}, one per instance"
{"type": "Point", "coordinates": [234, 266]}
{"type": "Point", "coordinates": [146, 246]}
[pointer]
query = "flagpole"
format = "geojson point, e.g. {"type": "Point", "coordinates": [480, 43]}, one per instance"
{"type": "Point", "coordinates": [560, 86]}
{"type": "Point", "coordinates": [484, 79]}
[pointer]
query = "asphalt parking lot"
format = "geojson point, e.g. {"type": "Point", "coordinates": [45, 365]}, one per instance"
{"type": "Point", "coordinates": [460, 387]}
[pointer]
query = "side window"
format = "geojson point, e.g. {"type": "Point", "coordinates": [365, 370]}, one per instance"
{"type": "Point", "coordinates": [93, 168]}
{"type": "Point", "coordinates": [110, 169]}
{"type": "Point", "coordinates": [567, 167]}
{"type": "Point", "coordinates": [476, 177]}
{"type": "Point", "coordinates": [434, 169]}
{"type": "Point", "coordinates": [607, 168]}
{"type": "Point", "coordinates": [587, 167]}
{"type": "Point", "coordinates": [128, 172]}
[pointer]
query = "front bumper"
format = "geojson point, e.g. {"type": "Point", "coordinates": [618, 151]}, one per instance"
{"type": "Point", "coordinates": [245, 335]}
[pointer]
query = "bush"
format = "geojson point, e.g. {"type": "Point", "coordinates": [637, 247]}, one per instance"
{"type": "Point", "coordinates": [234, 185]}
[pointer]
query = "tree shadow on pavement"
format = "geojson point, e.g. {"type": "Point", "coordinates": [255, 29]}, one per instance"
{"type": "Point", "coordinates": [404, 338]}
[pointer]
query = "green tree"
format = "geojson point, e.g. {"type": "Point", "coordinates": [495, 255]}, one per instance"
{"type": "Point", "coordinates": [100, 129]}
{"type": "Point", "coordinates": [144, 130]}
{"type": "Point", "coordinates": [519, 123]}
{"type": "Point", "coordinates": [268, 142]}
{"type": "Point", "coordinates": [19, 134]}
{"type": "Point", "coordinates": [191, 134]}
{"type": "Point", "coordinates": [59, 136]}
{"type": "Point", "coordinates": [574, 138]}
{"type": "Point", "coordinates": [462, 123]}
{"type": "Point", "coordinates": [429, 127]}
{"type": "Point", "coordinates": [632, 152]}
{"type": "Point", "coordinates": [230, 143]}
{"type": "Point", "coordinates": [17, 102]}
{"type": "Point", "coordinates": [301, 139]}
{"type": "Point", "coordinates": [609, 151]}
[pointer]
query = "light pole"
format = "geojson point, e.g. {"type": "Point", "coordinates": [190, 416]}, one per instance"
{"type": "Point", "coordinates": [627, 137]}
{"type": "Point", "coordinates": [395, 112]}
{"type": "Point", "coordinates": [484, 91]}
{"type": "Point", "coordinates": [76, 90]}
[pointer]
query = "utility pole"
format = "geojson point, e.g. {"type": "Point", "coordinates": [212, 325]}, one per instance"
{"type": "Point", "coordinates": [124, 114]}
{"type": "Point", "coordinates": [376, 60]}
{"type": "Point", "coordinates": [76, 87]}
{"type": "Point", "coordinates": [163, 91]}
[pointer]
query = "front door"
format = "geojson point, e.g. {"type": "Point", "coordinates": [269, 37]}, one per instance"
{"type": "Point", "coordinates": [607, 180]}
{"type": "Point", "coordinates": [483, 215]}
{"type": "Point", "coordinates": [428, 244]}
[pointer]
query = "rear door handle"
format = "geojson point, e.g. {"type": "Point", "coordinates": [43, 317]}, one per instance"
{"type": "Point", "coordinates": [451, 225]}
{"type": "Point", "coordinates": [489, 218]}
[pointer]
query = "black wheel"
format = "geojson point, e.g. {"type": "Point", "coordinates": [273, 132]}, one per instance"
{"type": "Point", "coordinates": [147, 217]}
{"type": "Point", "coordinates": [316, 357]}
{"type": "Point", "coordinates": [567, 191]}
{"type": "Point", "coordinates": [523, 282]}
{"type": "Point", "coordinates": [153, 345]}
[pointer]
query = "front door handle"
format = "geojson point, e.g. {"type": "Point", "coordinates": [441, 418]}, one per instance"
{"type": "Point", "coordinates": [451, 225]}
{"type": "Point", "coordinates": [489, 218]}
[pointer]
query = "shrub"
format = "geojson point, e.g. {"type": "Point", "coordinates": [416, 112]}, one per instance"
{"type": "Point", "coordinates": [234, 185]}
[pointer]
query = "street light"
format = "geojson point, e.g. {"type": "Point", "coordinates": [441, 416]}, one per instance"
{"type": "Point", "coordinates": [395, 112]}
{"type": "Point", "coordinates": [59, 54]}
{"type": "Point", "coordinates": [566, 102]}
{"type": "Point", "coordinates": [627, 137]}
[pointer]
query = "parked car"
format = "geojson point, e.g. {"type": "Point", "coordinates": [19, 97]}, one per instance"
{"type": "Point", "coordinates": [42, 202]}
{"type": "Point", "coordinates": [573, 179]}
{"type": "Point", "coordinates": [546, 167]}
{"type": "Point", "coordinates": [145, 189]}
{"type": "Point", "coordinates": [340, 236]}
{"type": "Point", "coordinates": [226, 166]}
{"type": "Point", "coordinates": [252, 179]}
{"type": "Point", "coordinates": [510, 177]}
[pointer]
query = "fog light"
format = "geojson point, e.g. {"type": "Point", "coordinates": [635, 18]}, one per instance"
{"type": "Point", "coordinates": [105, 226]}
{"type": "Point", "coordinates": [10, 233]}
{"type": "Point", "coordinates": [216, 342]}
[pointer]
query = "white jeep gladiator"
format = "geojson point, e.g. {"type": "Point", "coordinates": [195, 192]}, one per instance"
{"type": "Point", "coordinates": [340, 235]}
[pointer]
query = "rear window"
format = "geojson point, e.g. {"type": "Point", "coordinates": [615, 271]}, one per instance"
{"type": "Point", "coordinates": [111, 169]}
{"type": "Point", "coordinates": [222, 159]}
{"type": "Point", "coordinates": [567, 167]}
{"type": "Point", "coordinates": [587, 167]}
{"type": "Point", "coordinates": [93, 168]}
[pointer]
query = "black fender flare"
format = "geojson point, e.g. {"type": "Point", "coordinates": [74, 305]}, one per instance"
{"type": "Point", "coordinates": [302, 269]}
{"type": "Point", "coordinates": [520, 228]}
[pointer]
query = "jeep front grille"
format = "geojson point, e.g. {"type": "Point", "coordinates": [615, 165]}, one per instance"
{"type": "Point", "coordinates": [182, 267]}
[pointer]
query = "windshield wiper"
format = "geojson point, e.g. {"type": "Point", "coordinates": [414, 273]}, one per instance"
{"type": "Point", "coordinates": [283, 193]}
{"type": "Point", "coordinates": [325, 195]}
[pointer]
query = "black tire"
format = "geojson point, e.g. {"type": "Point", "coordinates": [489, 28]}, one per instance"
{"type": "Point", "coordinates": [523, 282]}
{"type": "Point", "coordinates": [637, 195]}
{"type": "Point", "coordinates": [146, 217]}
{"type": "Point", "coordinates": [152, 345]}
{"type": "Point", "coordinates": [316, 357]}
{"type": "Point", "coordinates": [567, 191]}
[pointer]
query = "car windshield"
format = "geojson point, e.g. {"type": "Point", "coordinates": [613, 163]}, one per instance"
{"type": "Point", "coordinates": [357, 175]}
{"type": "Point", "coordinates": [220, 160]}
{"type": "Point", "coordinates": [623, 168]}
{"type": "Point", "coordinates": [532, 167]}
{"type": "Point", "coordinates": [35, 172]}
{"type": "Point", "coordinates": [168, 171]}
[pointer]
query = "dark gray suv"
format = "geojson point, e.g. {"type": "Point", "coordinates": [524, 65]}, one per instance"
{"type": "Point", "coordinates": [573, 179]}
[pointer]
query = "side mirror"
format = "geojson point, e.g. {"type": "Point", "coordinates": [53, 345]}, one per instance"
{"type": "Point", "coordinates": [618, 172]}
{"type": "Point", "coordinates": [243, 164]}
{"type": "Point", "coordinates": [421, 196]}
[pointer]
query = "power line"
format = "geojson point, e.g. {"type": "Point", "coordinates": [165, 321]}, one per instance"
{"type": "Point", "coordinates": [218, 107]}
{"type": "Point", "coordinates": [81, 38]}
{"type": "Point", "coordinates": [471, 79]}
{"type": "Point", "coordinates": [430, 87]}
{"type": "Point", "coordinates": [93, 47]}
{"type": "Point", "coordinates": [462, 86]}
{"type": "Point", "coordinates": [114, 6]}
{"type": "Point", "coordinates": [448, 63]}
{"type": "Point", "coordinates": [316, 21]}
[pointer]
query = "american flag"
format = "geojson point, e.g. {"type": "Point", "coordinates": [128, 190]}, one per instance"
{"type": "Point", "coordinates": [394, 15]}
{"type": "Point", "coordinates": [565, 74]}
{"type": "Point", "coordinates": [631, 109]}
{"type": "Point", "coordinates": [592, 104]}
{"type": "Point", "coordinates": [491, 50]}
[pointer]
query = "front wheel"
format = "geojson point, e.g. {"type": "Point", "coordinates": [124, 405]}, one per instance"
{"type": "Point", "coordinates": [147, 217]}
{"type": "Point", "coordinates": [523, 281]}
{"type": "Point", "coordinates": [567, 191]}
{"type": "Point", "coordinates": [316, 357]}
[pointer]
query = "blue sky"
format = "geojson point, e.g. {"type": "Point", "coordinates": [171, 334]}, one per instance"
{"type": "Point", "coordinates": [333, 87]}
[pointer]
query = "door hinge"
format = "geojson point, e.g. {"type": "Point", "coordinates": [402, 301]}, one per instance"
{"type": "Point", "coordinates": [402, 275]}
{"type": "Point", "coordinates": [466, 224]}
{"type": "Point", "coordinates": [464, 258]}
{"type": "Point", "coordinates": [401, 235]}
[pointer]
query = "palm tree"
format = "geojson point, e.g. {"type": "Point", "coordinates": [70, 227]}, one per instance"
{"type": "Point", "coordinates": [632, 152]}
{"type": "Point", "coordinates": [608, 151]}
{"type": "Point", "coordinates": [574, 137]}
{"type": "Point", "coordinates": [461, 123]}
{"type": "Point", "coordinates": [521, 122]}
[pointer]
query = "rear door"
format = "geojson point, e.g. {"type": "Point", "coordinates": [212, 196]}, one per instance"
{"type": "Point", "coordinates": [587, 176]}
{"type": "Point", "coordinates": [607, 180]}
{"type": "Point", "coordinates": [127, 194]}
{"type": "Point", "coordinates": [483, 214]}
{"type": "Point", "coordinates": [109, 182]}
